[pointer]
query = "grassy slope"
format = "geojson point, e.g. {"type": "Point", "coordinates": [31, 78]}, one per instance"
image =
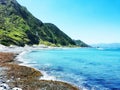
{"type": "Point", "coordinates": [20, 27]}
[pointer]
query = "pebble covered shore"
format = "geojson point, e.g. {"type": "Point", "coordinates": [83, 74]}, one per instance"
{"type": "Point", "coordinates": [16, 77]}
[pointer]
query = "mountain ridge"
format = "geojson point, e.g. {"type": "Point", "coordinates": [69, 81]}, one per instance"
{"type": "Point", "coordinates": [107, 45]}
{"type": "Point", "coordinates": [19, 27]}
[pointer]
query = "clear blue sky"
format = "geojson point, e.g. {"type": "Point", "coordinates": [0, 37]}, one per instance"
{"type": "Point", "coordinates": [92, 21]}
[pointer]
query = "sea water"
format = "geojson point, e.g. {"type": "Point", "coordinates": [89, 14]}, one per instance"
{"type": "Point", "coordinates": [90, 68]}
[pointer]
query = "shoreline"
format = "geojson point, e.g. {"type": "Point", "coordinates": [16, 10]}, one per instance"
{"type": "Point", "coordinates": [28, 77]}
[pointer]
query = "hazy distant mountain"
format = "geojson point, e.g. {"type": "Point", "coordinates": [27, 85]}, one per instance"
{"type": "Point", "coordinates": [110, 45]}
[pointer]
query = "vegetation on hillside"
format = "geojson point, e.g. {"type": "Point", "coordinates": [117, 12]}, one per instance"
{"type": "Point", "coordinates": [19, 27]}
{"type": "Point", "coordinates": [80, 43]}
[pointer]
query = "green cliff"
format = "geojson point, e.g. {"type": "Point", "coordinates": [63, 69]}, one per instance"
{"type": "Point", "coordinates": [19, 27]}
{"type": "Point", "coordinates": [80, 43]}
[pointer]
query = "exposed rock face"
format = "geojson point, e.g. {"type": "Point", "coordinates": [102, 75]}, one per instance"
{"type": "Point", "coordinates": [3, 2]}
{"type": "Point", "coordinates": [6, 57]}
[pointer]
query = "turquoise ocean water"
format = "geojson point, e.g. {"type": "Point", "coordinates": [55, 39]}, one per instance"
{"type": "Point", "coordinates": [90, 68]}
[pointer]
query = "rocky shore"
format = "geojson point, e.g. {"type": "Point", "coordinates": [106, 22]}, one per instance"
{"type": "Point", "coordinates": [16, 77]}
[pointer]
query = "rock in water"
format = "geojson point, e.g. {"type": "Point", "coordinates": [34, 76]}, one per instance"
{"type": "Point", "coordinates": [16, 88]}
{"type": "Point", "coordinates": [4, 86]}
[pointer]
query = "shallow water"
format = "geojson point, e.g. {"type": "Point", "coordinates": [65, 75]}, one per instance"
{"type": "Point", "coordinates": [93, 69]}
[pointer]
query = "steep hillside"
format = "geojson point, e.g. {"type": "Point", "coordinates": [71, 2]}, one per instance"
{"type": "Point", "coordinates": [19, 27]}
{"type": "Point", "coordinates": [15, 24]}
{"type": "Point", "coordinates": [81, 43]}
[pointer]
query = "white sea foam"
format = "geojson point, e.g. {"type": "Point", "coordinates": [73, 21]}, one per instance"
{"type": "Point", "coordinates": [100, 48]}
{"type": "Point", "coordinates": [26, 63]}
{"type": "Point", "coordinates": [2, 47]}
{"type": "Point", "coordinates": [4, 86]}
{"type": "Point", "coordinates": [16, 88]}
{"type": "Point", "coordinates": [24, 50]}
{"type": "Point", "coordinates": [47, 77]}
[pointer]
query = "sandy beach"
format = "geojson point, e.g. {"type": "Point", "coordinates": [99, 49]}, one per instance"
{"type": "Point", "coordinates": [24, 77]}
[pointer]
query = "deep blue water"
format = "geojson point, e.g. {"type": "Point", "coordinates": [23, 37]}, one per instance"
{"type": "Point", "coordinates": [94, 69]}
